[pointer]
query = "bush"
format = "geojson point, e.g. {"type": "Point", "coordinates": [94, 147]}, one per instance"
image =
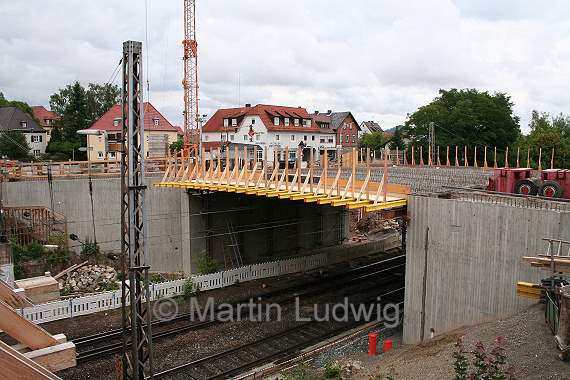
{"type": "Point", "coordinates": [110, 285]}
{"type": "Point", "coordinates": [207, 265]}
{"type": "Point", "coordinates": [332, 370]}
{"type": "Point", "coordinates": [189, 288]}
{"type": "Point", "coordinates": [90, 248]}
{"type": "Point", "coordinates": [487, 365]}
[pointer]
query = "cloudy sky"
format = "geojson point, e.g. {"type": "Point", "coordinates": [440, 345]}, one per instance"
{"type": "Point", "coordinates": [380, 59]}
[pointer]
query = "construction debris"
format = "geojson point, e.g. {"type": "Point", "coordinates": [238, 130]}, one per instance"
{"type": "Point", "coordinates": [90, 278]}
{"type": "Point", "coordinates": [69, 270]}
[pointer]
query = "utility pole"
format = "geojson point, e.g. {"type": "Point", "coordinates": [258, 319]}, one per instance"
{"type": "Point", "coordinates": [432, 143]}
{"type": "Point", "coordinates": [137, 364]}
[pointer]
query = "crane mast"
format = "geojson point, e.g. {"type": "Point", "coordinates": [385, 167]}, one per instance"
{"type": "Point", "coordinates": [190, 81]}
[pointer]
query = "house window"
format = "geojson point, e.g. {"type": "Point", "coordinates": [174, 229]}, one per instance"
{"type": "Point", "coordinates": [275, 120]}
{"type": "Point", "coordinates": [307, 123]}
{"type": "Point", "coordinates": [223, 137]}
{"type": "Point", "coordinates": [234, 122]}
{"type": "Point", "coordinates": [36, 139]}
{"type": "Point", "coordinates": [112, 155]}
{"type": "Point", "coordinates": [296, 122]}
{"type": "Point", "coordinates": [322, 140]}
{"type": "Point", "coordinates": [312, 138]}
{"type": "Point", "coordinates": [277, 137]}
{"type": "Point", "coordinates": [353, 138]}
{"type": "Point", "coordinates": [36, 152]}
{"type": "Point", "coordinates": [47, 121]}
{"type": "Point", "coordinates": [286, 121]}
{"type": "Point", "coordinates": [244, 137]}
{"type": "Point", "coordinates": [252, 121]}
{"type": "Point", "coordinates": [116, 122]}
{"type": "Point", "coordinates": [48, 132]}
{"type": "Point", "coordinates": [232, 137]}
{"type": "Point", "coordinates": [305, 137]}
{"type": "Point", "coordinates": [292, 137]}
{"type": "Point", "coordinates": [292, 155]}
{"type": "Point", "coordinates": [99, 154]}
{"type": "Point", "coordinates": [206, 138]}
{"type": "Point", "coordinates": [156, 121]}
{"type": "Point", "coordinates": [347, 138]}
{"type": "Point", "coordinates": [226, 122]}
{"type": "Point", "coordinates": [23, 124]}
{"type": "Point", "coordinates": [330, 139]}
{"type": "Point", "coordinates": [257, 136]}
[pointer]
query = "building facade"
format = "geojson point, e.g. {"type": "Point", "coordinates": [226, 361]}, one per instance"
{"type": "Point", "coordinates": [159, 134]}
{"type": "Point", "coordinates": [344, 126]}
{"type": "Point", "coordinates": [267, 126]}
{"type": "Point", "coordinates": [14, 119]}
{"type": "Point", "coordinates": [46, 118]}
{"type": "Point", "coordinates": [369, 127]}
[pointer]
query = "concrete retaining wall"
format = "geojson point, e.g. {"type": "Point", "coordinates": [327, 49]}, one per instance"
{"type": "Point", "coordinates": [183, 225]}
{"type": "Point", "coordinates": [465, 258]}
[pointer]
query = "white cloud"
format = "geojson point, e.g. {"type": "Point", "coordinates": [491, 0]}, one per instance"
{"type": "Point", "coordinates": [379, 59]}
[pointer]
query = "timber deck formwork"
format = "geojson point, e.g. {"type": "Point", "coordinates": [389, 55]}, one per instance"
{"type": "Point", "coordinates": [320, 182]}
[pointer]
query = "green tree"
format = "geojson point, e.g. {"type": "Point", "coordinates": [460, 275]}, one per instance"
{"type": "Point", "coordinates": [397, 141]}
{"type": "Point", "coordinates": [550, 134]}
{"type": "Point", "coordinates": [15, 103]}
{"type": "Point", "coordinates": [466, 118]}
{"type": "Point", "coordinates": [13, 145]}
{"type": "Point", "coordinates": [78, 108]}
{"type": "Point", "coordinates": [375, 141]}
{"type": "Point", "coordinates": [177, 145]}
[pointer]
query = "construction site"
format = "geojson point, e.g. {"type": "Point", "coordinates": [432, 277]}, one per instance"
{"type": "Point", "coordinates": [231, 261]}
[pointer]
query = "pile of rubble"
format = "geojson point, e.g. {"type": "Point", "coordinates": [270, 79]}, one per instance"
{"type": "Point", "coordinates": [90, 278]}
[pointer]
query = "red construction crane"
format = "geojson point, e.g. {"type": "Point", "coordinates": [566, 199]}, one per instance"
{"type": "Point", "coordinates": [190, 81]}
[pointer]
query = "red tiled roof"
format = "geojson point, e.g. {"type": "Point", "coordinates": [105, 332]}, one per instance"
{"type": "Point", "coordinates": [209, 145]}
{"type": "Point", "coordinates": [179, 129]}
{"type": "Point", "coordinates": [105, 122]}
{"type": "Point", "coordinates": [265, 112]}
{"type": "Point", "coordinates": [41, 113]}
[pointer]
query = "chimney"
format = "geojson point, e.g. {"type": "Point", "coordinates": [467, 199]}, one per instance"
{"type": "Point", "coordinates": [299, 107]}
{"type": "Point", "coordinates": [247, 105]}
{"type": "Point", "coordinates": [316, 112]}
{"type": "Point", "coordinates": [329, 112]}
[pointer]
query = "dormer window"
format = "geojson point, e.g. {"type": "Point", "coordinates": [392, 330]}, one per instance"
{"type": "Point", "coordinates": [275, 120]}
{"type": "Point", "coordinates": [226, 122]}
{"type": "Point", "coordinates": [116, 121]}
{"type": "Point", "coordinates": [156, 121]}
{"type": "Point", "coordinates": [296, 121]}
{"type": "Point", "coordinates": [23, 124]}
{"type": "Point", "coordinates": [307, 123]}
{"type": "Point", "coordinates": [286, 121]}
{"type": "Point", "coordinates": [234, 122]}
{"type": "Point", "coordinates": [48, 121]}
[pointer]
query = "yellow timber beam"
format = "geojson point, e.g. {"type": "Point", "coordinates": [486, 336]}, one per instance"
{"type": "Point", "coordinates": [342, 202]}
{"type": "Point", "coordinates": [315, 198]}
{"type": "Point", "coordinates": [529, 290]}
{"type": "Point", "coordinates": [357, 204]}
{"type": "Point", "coordinates": [326, 201]}
{"type": "Point", "coordinates": [288, 195]}
{"type": "Point", "coordinates": [385, 205]}
{"type": "Point", "coordinates": [300, 197]}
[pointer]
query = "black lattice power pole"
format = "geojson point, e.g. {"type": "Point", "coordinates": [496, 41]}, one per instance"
{"type": "Point", "coordinates": [137, 354]}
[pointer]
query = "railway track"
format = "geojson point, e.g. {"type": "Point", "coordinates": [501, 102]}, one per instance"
{"type": "Point", "coordinates": [106, 343]}
{"type": "Point", "coordinates": [278, 347]}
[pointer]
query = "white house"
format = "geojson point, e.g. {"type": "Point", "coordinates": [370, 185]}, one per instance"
{"type": "Point", "coordinates": [267, 126]}
{"type": "Point", "coordinates": [14, 119]}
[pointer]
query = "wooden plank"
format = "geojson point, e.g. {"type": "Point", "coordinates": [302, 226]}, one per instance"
{"type": "Point", "coordinates": [342, 202]}
{"type": "Point", "coordinates": [326, 201]}
{"type": "Point", "coordinates": [315, 198]}
{"type": "Point", "coordinates": [303, 197]}
{"type": "Point", "coordinates": [16, 366]}
{"type": "Point", "coordinates": [288, 194]}
{"type": "Point", "coordinates": [13, 297]}
{"type": "Point", "coordinates": [23, 330]}
{"type": "Point", "coordinates": [55, 358]}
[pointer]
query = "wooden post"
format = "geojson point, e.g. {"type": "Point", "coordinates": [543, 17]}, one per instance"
{"type": "Point", "coordinates": [475, 164]}
{"type": "Point", "coordinates": [286, 168]}
{"type": "Point", "coordinates": [495, 165]}
{"type": "Point", "coordinates": [311, 170]}
{"type": "Point", "coordinates": [353, 173]}
{"type": "Point", "coordinates": [447, 163]}
{"type": "Point", "coordinates": [397, 157]}
{"type": "Point", "coordinates": [374, 157]}
{"type": "Point", "coordinates": [430, 161]}
{"type": "Point", "coordinates": [466, 164]}
{"type": "Point", "coordinates": [518, 155]}
{"type": "Point", "coordinates": [540, 159]}
{"type": "Point", "coordinates": [298, 171]}
{"type": "Point", "coordinates": [485, 159]}
{"type": "Point", "coordinates": [438, 159]}
{"type": "Point", "coordinates": [456, 156]}
{"type": "Point", "coordinates": [413, 158]}
{"type": "Point", "coordinates": [421, 156]}
{"type": "Point", "coordinates": [324, 171]}
{"type": "Point", "coordinates": [507, 158]}
{"type": "Point", "coordinates": [385, 179]}
{"type": "Point", "coordinates": [552, 160]}
{"type": "Point", "coordinates": [406, 157]}
{"type": "Point", "coordinates": [528, 158]}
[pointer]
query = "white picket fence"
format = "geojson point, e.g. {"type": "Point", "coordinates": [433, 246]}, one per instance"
{"type": "Point", "coordinates": [54, 311]}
